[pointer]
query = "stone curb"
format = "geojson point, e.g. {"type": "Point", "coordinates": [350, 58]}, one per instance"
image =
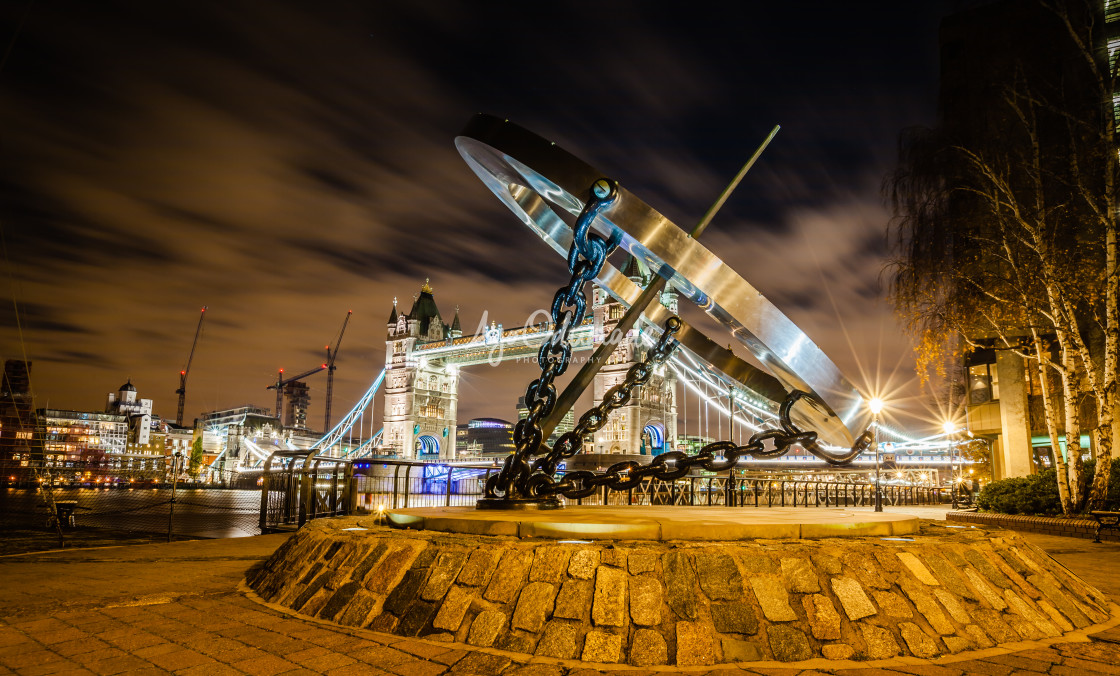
{"type": "Point", "coordinates": [1079, 636]}
{"type": "Point", "coordinates": [1046, 525]}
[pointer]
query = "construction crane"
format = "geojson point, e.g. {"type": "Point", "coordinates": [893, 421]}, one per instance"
{"type": "Point", "coordinates": [331, 356]}
{"type": "Point", "coordinates": [281, 381]}
{"type": "Point", "coordinates": [182, 391]}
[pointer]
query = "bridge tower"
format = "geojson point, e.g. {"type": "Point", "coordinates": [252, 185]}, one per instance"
{"type": "Point", "coordinates": [648, 424]}
{"type": "Point", "coordinates": [421, 397]}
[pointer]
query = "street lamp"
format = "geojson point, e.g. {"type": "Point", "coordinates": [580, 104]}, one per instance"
{"type": "Point", "coordinates": [876, 406]}
{"type": "Point", "coordinates": [950, 429]}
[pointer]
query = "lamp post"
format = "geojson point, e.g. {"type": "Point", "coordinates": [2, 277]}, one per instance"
{"type": "Point", "coordinates": [950, 433]}
{"type": "Point", "coordinates": [876, 406]}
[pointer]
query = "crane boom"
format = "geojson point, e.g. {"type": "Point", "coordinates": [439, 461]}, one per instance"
{"type": "Point", "coordinates": [182, 391]}
{"type": "Point", "coordinates": [331, 356]}
{"type": "Point", "coordinates": [281, 381]}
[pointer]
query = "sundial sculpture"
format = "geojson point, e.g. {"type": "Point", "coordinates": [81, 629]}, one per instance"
{"type": "Point", "coordinates": [584, 216]}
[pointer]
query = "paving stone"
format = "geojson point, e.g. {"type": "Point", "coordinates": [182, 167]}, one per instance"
{"type": "Point", "coordinates": [417, 618]}
{"type": "Point", "coordinates": [1056, 617]}
{"type": "Point", "coordinates": [694, 644]}
{"type": "Point", "coordinates": [1018, 605]}
{"type": "Point", "coordinates": [574, 600]}
{"type": "Point", "coordinates": [641, 562]}
{"type": "Point", "coordinates": [602, 647]}
{"type": "Point", "coordinates": [518, 642]}
{"type": "Point", "coordinates": [398, 560]}
{"type": "Point", "coordinates": [735, 650]}
{"type": "Point", "coordinates": [481, 663]}
{"type": "Point", "coordinates": [852, 597]}
{"type": "Point", "coordinates": [648, 648]}
{"type": "Point", "coordinates": [486, 628]}
{"type": "Point", "coordinates": [917, 568]}
{"type": "Point", "coordinates": [880, 643]}
{"type": "Point", "coordinates": [719, 576]}
{"type": "Point", "coordinates": [927, 607]}
{"type": "Point", "coordinates": [892, 604]}
{"type": "Point", "coordinates": [919, 643]}
{"type": "Point", "coordinates": [549, 564]}
{"type": "Point", "coordinates": [645, 599]}
{"type": "Point", "coordinates": [827, 563]}
{"type": "Point", "coordinates": [507, 579]}
{"type": "Point", "coordinates": [680, 583]}
{"type": "Point", "coordinates": [983, 564]}
{"type": "Point", "coordinates": [560, 640]}
{"type": "Point", "coordinates": [837, 651]}
{"type": "Point", "coordinates": [402, 596]}
{"type": "Point", "coordinates": [953, 605]}
{"type": "Point", "coordinates": [609, 606]}
{"type": "Point", "coordinates": [824, 621]}
{"type": "Point", "coordinates": [535, 670]}
{"type": "Point", "coordinates": [534, 605]}
{"type": "Point", "coordinates": [788, 644]}
{"type": "Point", "coordinates": [454, 608]}
{"type": "Point", "coordinates": [613, 556]}
{"type": "Point", "coordinates": [759, 563]}
{"type": "Point", "coordinates": [480, 566]}
{"type": "Point", "coordinates": [957, 644]}
{"type": "Point", "coordinates": [339, 600]}
{"type": "Point", "coordinates": [993, 624]}
{"type": "Point", "coordinates": [772, 598]}
{"type": "Point", "coordinates": [734, 617]}
{"type": "Point", "coordinates": [985, 591]}
{"type": "Point", "coordinates": [444, 571]}
{"type": "Point", "coordinates": [1058, 597]}
{"type": "Point", "coordinates": [947, 575]}
{"type": "Point", "coordinates": [978, 636]}
{"type": "Point", "coordinates": [1024, 627]}
{"type": "Point", "coordinates": [863, 564]}
{"type": "Point", "coordinates": [799, 575]}
{"type": "Point", "coordinates": [583, 562]}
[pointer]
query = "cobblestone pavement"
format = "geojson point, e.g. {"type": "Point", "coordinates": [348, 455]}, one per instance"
{"type": "Point", "coordinates": [178, 608]}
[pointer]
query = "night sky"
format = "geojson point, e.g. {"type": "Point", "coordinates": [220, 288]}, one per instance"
{"type": "Point", "coordinates": [285, 162]}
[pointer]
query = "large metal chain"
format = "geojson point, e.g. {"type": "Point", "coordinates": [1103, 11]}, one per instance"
{"type": "Point", "coordinates": [585, 260]}
{"type": "Point", "coordinates": [714, 457]}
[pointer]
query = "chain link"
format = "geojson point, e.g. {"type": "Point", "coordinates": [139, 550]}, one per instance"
{"type": "Point", "coordinates": [585, 260]}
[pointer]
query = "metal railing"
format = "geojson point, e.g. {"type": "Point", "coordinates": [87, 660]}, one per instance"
{"type": "Point", "coordinates": [297, 486]}
{"type": "Point", "coordinates": [399, 484]}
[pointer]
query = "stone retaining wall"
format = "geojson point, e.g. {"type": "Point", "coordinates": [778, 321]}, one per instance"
{"type": "Point", "coordinates": [651, 603]}
{"type": "Point", "coordinates": [1049, 525]}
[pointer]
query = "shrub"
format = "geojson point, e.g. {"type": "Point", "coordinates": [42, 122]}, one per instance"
{"type": "Point", "coordinates": [1038, 493]}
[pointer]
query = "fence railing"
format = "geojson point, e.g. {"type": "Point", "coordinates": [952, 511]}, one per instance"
{"type": "Point", "coordinates": [297, 486]}
{"type": "Point", "coordinates": [398, 484]}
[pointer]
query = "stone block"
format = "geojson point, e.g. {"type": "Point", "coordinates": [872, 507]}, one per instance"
{"type": "Point", "coordinates": [508, 577]}
{"type": "Point", "coordinates": [987, 595]}
{"type": "Point", "coordinates": [454, 608]}
{"type": "Point", "coordinates": [384, 622]}
{"type": "Point", "coordinates": [953, 605]}
{"type": "Point", "coordinates": [694, 644]}
{"type": "Point", "coordinates": [983, 564]}
{"type": "Point", "coordinates": [609, 606]}
{"type": "Point", "coordinates": [549, 563]}
{"type": "Point", "coordinates": [339, 600]}
{"type": "Point", "coordinates": [648, 649]}
{"type": "Point", "coordinates": [391, 568]}
{"type": "Point", "coordinates": [948, 575]}
{"type": "Point", "coordinates": [824, 621]}
{"type": "Point", "coordinates": [1024, 628]}
{"type": "Point", "coordinates": [480, 566]}
{"type": "Point", "coordinates": [719, 576]}
{"type": "Point", "coordinates": [534, 605]}
{"type": "Point", "coordinates": [852, 597]}
{"type": "Point", "coordinates": [1055, 616]}
{"type": "Point", "coordinates": [799, 575]}
{"type": "Point", "coordinates": [827, 563]}
{"type": "Point", "coordinates": [919, 643]}
{"type": "Point", "coordinates": [917, 568]}
{"type": "Point", "coordinates": [1061, 599]}
{"type": "Point", "coordinates": [641, 562]}
{"type": "Point", "coordinates": [956, 644]}
{"type": "Point", "coordinates": [789, 644]}
{"type": "Point", "coordinates": [613, 556]}
{"type": "Point", "coordinates": [560, 640]}
{"type": "Point", "coordinates": [444, 571]}
{"type": "Point", "coordinates": [645, 599]}
{"type": "Point", "coordinates": [772, 598]}
{"type": "Point", "coordinates": [993, 624]}
{"type": "Point", "coordinates": [486, 628]}
{"type": "Point", "coordinates": [862, 564]}
{"type": "Point", "coordinates": [574, 600]}
{"type": "Point", "coordinates": [417, 618]}
{"type": "Point", "coordinates": [735, 650]}
{"type": "Point", "coordinates": [880, 644]}
{"type": "Point", "coordinates": [582, 563]}
{"type": "Point", "coordinates": [599, 646]}
{"type": "Point", "coordinates": [978, 636]}
{"type": "Point", "coordinates": [734, 617]}
{"type": "Point", "coordinates": [1024, 608]}
{"type": "Point", "coordinates": [680, 583]}
{"type": "Point", "coordinates": [837, 651]}
{"type": "Point", "coordinates": [402, 596]}
{"type": "Point", "coordinates": [758, 564]}
{"type": "Point", "coordinates": [927, 607]}
{"type": "Point", "coordinates": [892, 604]}
{"type": "Point", "coordinates": [360, 609]}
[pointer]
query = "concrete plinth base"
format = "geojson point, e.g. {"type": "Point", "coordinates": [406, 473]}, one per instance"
{"type": "Point", "coordinates": [938, 591]}
{"type": "Point", "coordinates": [657, 522]}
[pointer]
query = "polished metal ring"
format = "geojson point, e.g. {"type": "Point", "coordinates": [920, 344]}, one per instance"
{"type": "Point", "coordinates": [544, 185]}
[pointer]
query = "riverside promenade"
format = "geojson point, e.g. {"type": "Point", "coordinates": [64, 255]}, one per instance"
{"type": "Point", "coordinates": [182, 608]}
